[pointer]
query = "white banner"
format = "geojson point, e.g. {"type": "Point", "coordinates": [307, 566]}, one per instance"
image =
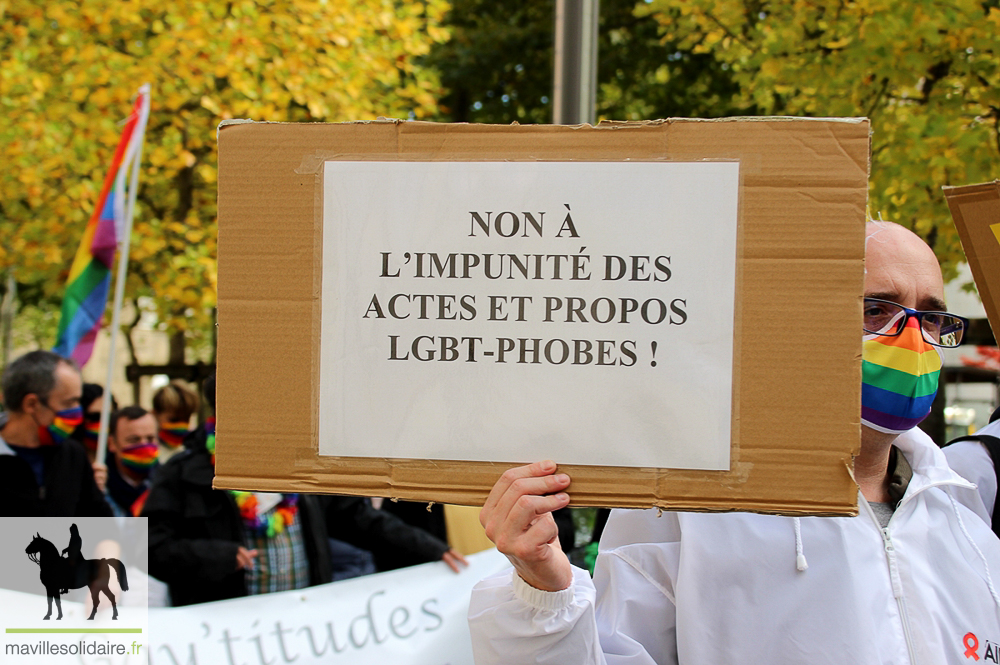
{"type": "Point", "coordinates": [412, 616]}
{"type": "Point", "coordinates": [510, 312]}
{"type": "Point", "coordinates": [45, 611]}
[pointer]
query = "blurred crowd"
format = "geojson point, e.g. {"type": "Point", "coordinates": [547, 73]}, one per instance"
{"type": "Point", "coordinates": [204, 544]}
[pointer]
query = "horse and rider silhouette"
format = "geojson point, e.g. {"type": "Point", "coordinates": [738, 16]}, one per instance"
{"type": "Point", "coordinates": [61, 573]}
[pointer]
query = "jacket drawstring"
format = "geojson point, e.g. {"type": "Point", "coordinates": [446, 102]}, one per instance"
{"type": "Point", "coordinates": [800, 558]}
{"type": "Point", "coordinates": [986, 567]}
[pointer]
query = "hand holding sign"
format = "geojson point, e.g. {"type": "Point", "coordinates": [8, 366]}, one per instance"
{"type": "Point", "coordinates": [518, 519]}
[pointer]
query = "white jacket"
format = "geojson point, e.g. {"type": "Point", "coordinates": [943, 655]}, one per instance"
{"type": "Point", "coordinates": [708, 589]}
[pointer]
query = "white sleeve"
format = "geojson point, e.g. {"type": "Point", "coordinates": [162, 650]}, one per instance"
{"type": "Point", "coordinates": [972, 461]}
{"type": "Point", "coordinates": [627, 619]}
{"type": "Point", "coordinates": [513, 623]}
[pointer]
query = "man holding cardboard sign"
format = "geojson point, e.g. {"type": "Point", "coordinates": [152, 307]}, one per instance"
{"type": "Point", "coordinates": [907, 580]}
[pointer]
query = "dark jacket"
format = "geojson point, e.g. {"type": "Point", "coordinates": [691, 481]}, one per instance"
{"type": "Point", "coordinates": [70, 490]}
{"type": "Point", "coordinates": [195, 531]}
{"type": "Point", "coordinates": [430, 517]}
{"type": "Point", "coordinates": [121, 494]}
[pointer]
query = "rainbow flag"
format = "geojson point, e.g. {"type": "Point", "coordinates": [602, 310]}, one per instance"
{"type": "Point", "coordinates": [90, 275]}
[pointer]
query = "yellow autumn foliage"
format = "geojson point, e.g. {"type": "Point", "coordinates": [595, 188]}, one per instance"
{"type": "Point", "coordinates": [69, 71]}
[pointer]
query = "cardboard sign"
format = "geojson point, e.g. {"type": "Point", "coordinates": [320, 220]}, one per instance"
{"type": "Point", "coordinates": [456, 326]}
{"type": "Point", "coordinates": [976, 211]}
{"type": "Point", "coordinates": [315, 396]}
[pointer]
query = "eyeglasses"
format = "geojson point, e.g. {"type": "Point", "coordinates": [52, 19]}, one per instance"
{"type": "Point", "coordinates": [883, 317]}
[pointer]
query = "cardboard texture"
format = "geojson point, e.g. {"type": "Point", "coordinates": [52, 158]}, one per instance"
{"type": "Point", "coordinates": [797, 346]}
{"type": "Point", "coordinates": [976, 211]}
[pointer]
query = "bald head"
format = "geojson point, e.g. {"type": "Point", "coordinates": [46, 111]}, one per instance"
{"type": "Point", "coordinates": [900, 267]}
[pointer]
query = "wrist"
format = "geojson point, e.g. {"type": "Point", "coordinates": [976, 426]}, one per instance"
{"type": "Point", "coordinates": [539, 584]}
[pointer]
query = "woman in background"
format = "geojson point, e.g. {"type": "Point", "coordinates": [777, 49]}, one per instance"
{"type": "Point", "coordinates": [173, 406]}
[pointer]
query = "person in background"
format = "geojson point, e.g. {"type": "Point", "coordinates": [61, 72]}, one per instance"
{"type": "Point", "coordinates": [349, 561]}
{"type": "Point", "coordinates": [89, 430]}
{"type": "Point", "coordinates": [431, 518]}
{"type": "Point", "coordinates": [173, 406]}
{"type": "Point", "coordinates": [132, 459]}
{"type": "Point", "coordinates": [42, 470]}
{"type": "Point", "coordinates": [907, 580]}
{"type": "Point", "coordinates": [977, 458]}
{"type": "Point", "coordinates": [209, 544]}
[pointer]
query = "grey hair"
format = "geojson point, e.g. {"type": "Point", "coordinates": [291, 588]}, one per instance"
{"type": "Point", "coordinates": [32, 373]}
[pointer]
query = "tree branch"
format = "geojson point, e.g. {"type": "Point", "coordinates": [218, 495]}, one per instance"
{"type": "Point", "coordinates": [996, 125]}
{"type": "Point", "coordinates": [729, 32]}
{"type": "Point", "coordinates": [935, 73]}
{"type": "Point", "coordinates": [878, 97]}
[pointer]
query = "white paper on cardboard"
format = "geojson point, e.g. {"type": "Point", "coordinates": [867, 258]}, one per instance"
{"type": "Point", "coordinates": [510, 312]}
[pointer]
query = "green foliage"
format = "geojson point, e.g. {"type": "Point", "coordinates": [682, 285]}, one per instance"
{"type": "Point", "coordinates": [927, 74]}
{"type": "Point", "coordinates": [497, 67]}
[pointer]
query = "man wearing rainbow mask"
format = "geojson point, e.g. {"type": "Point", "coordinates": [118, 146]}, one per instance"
{"type": "Point", "coordinates": [907, 580]}
{"type": "Point", "coordinates": [134, 452]}
{"type": "Point", "coordinates": [42, 470]}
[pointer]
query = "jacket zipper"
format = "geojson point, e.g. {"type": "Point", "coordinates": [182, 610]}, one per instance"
{"type": "Point", "coordinates": [897, 584]}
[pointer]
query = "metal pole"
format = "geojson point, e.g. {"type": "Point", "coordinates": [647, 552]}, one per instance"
{"type": "Point", "coordinates": [574, 98]}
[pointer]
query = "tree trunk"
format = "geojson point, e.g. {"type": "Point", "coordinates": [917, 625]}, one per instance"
{"type": "Point", "coordinates": [176, 348]}
{"type": "Point", "coordinates": [7, 308]}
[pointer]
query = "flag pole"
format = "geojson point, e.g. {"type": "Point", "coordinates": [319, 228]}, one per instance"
{"type": "Point", "coordinates": [123, 252]}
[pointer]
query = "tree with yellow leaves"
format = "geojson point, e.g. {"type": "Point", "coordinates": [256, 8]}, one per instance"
{"type": "Point", "coordinates": [927, 73]}
{"type": "Point", "coordinates": [68, 70]}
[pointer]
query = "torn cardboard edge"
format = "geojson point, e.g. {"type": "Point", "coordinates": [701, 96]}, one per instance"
{"type": "Point", "coordinates": [975, 210]}
{"type": "Point", "coordinates": [810, 183]}
{"type": "Point", "coordinates": [602, 123]}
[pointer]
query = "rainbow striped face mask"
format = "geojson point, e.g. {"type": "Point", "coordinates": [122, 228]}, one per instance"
{"type": "Point", "coordinates": [91, 432]}
{"type": "Point", "coordinates": [140, 459]}
{"type": "Point", "coordinates": [899, 379]}
{"type": "Point", "coordinates": [62, 426]}
{"type": "Point", "coordinates": [172, 434]}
